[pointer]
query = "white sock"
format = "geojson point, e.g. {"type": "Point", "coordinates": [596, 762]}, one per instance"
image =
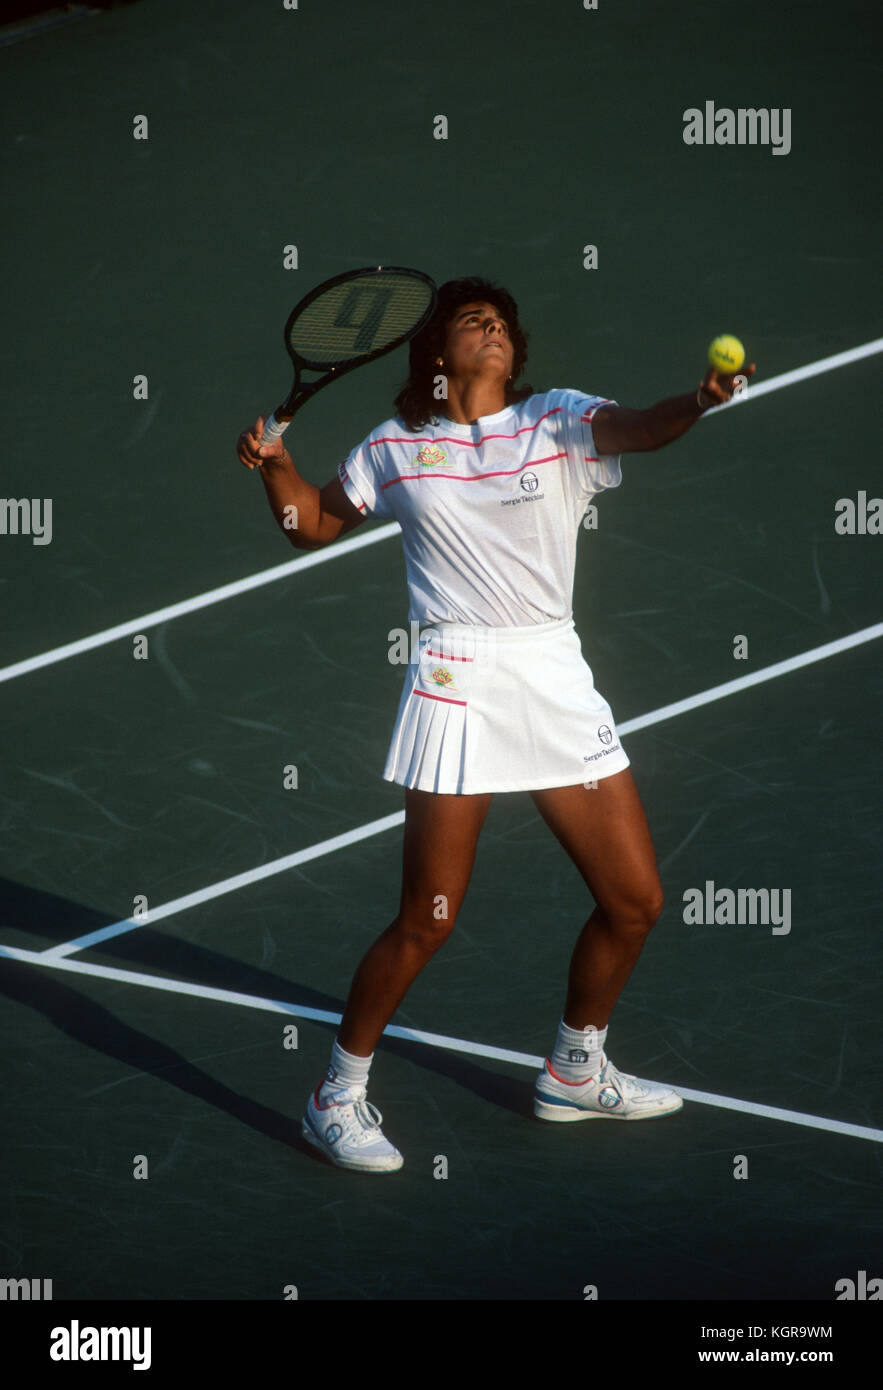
{"type": "Point", "coordinates": [578, 1052]}
{"type": "Point", "coordinates": [345, 1070]}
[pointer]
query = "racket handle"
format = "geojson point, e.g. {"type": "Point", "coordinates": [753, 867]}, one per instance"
{"type": "Point", "coordinates": [274, 430]}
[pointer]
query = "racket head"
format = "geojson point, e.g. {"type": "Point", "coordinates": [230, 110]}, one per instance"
{"type": "Point", "coordinates": [358, 316]}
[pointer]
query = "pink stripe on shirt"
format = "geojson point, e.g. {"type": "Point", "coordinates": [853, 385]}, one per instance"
{"type": "Point", "coordinates": [467, 443]}
{"type": "Point", "coordinates": [474, 478]}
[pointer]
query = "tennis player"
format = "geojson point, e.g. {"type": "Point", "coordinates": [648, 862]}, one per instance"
{"type": "Point", "coordinates": [490, 485]}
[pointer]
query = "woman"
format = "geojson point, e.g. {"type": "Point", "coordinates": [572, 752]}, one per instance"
{"type": "Point", "coordinates": [490, 483]}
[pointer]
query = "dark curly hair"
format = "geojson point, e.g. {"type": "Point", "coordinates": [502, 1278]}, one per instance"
{"type": "Point", "coordinates": [415, 403]}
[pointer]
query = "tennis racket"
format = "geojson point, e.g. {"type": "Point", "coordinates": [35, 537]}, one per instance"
{"type": "Point", "coordinates": [348, 321]}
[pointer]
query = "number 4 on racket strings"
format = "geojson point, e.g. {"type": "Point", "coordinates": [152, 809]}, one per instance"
{"type": "Point", "coordinates": [347, 321]}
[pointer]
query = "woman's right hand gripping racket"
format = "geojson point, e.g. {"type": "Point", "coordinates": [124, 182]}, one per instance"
{"type": "Point", "coordinates": [345, 322]}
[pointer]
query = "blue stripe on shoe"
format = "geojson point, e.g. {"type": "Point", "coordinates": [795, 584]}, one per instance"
{"type": "Point", "coordinates": [556, 1100]}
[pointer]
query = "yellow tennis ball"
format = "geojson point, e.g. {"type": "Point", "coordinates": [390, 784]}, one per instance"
{"type": "Point", "coordinates": [726, 353]}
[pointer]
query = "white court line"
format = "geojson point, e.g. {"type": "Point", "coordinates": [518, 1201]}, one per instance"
{"type": "Point", "coordinates": [340, 548]}
{"type": "Point", "coordinates": [473, 1049]}
{"type": "Point", "coordinates": [190, 605]}
{"type": "Point", "coordinates": [766, 673]}
{"type": "Point", "coordinates": [377, 827]}
{"type": "Point", "coordinates": [228, 885]}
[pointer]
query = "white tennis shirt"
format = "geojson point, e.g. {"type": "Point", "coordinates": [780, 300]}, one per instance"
{"type": "Point", "coordinates": [489, 512]}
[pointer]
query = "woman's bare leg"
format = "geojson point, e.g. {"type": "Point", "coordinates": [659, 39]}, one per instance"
{"type": "Point", "coordinates": [441, 834]}
{"type": "Point", "coordinates": [605, 832]}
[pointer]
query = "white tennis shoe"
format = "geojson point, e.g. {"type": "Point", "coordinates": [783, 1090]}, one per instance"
{"type": "Point", "coordinates": [346, 1128]}
{"type": "Point", "coordinates": [608, 1095]}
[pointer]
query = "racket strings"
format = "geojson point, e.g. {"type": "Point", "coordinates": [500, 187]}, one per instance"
{"type": "Point", "coordinates": [359, 317]}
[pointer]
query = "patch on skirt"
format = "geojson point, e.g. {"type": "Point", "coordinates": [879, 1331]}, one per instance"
{"type": "Point", "coordinates": [446, 667]}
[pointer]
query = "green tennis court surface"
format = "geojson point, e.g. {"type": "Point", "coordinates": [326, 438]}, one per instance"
{"type": "Point", "coordinates": [163, 777]}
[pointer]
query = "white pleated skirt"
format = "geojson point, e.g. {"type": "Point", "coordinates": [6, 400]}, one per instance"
{"type": "Point", "coordinates": [501, 709]}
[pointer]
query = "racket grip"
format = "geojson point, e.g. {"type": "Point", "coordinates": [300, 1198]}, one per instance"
{"type": "Point", "coordinates": [273, 430]}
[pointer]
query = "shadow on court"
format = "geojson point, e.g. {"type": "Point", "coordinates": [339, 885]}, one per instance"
{"type": "Point", "coordinates": [232, 1217]}
{"type": "Point", "coordinates": [44, 915]}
